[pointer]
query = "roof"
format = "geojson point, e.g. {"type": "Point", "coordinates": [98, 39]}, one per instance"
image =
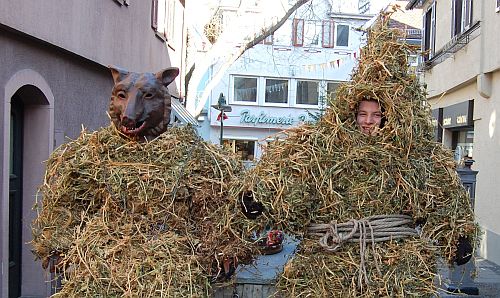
{"type": "Point", "coordinates": [182, 114]}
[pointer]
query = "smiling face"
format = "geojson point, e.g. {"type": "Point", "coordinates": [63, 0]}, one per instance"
{"type": "Point", "coordinates": [369, 117]}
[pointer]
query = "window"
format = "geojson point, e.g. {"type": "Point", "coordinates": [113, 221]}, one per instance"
{"type": "Point", "coordinates": [243, 148]}
{"type": "Point", "coordinates": [498, 6]}
{"type": "Point", "coordinates": [312, 33]}
{"type": "Point", "coordinates": [342, 36]}
{"type": "Point", "coordinates": [331, 89]}
{"type": "Point", "coordinates": [245, 89]}
{"type": "Point", "coordinates": [163, 19]}
{"type": "Point", "coordinates": [298, 32]}
{"type": "Point", "coordinates": [463, 144]}
{"type": "Point", "coordinates": [327, 36]}
{"type": "Point", "coordinates": [461, 16]}
{"type": "Point", "coordinates": [276, 91]}
{"type": "Point", "coordinates": [307, 92]}
{"type": "Point", "coordinates": [429, 34]}
{"type": "Point", "coordinates": [268, 40]}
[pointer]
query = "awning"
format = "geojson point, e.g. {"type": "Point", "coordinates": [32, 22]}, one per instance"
{"type": "Point", "coordinates": [182, 114]}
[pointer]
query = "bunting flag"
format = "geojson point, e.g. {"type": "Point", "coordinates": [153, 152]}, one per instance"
{"type": "Point", "coordinates": [337, 63]}
{"type": "Point", "coordinates": [222, 114]}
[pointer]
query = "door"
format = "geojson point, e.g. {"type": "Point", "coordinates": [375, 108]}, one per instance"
{"type": "Point", "coordinates": [15, 196]}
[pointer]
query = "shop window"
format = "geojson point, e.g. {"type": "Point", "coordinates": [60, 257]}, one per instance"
{"type": "Point", "coordinates": [276, 91]}
{"type": "Point", "coordinates": [307, 92]}
{"type": "Point", "coordinates": [243, 148]}
{"type": "Point", "coordinates": [342, 36]}
{"type": "Point", "coordinates": [245, 89]}
{"type": "Point", "coordinates": [463, 144]}
{"type": "Point", "coordinates": [331, 89]}
{"type": "Point", "coordinates": [429, 32]}
{"type": "Point", "coordinates": [461, 16]}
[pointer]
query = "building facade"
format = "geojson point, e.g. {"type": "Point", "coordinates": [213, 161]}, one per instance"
{"type": "Point", "coordinates": [54, 80]}
{"type": "Point", "coordinates": [461, 69]}
{"type": "Point", "coordinates": [286, 80]}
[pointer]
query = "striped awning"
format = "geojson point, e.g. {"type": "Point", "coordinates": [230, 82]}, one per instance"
{"type": "Point", "coordinates": [182, 114]}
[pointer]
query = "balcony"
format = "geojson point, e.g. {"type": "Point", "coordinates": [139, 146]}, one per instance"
{"type": "Point", "coordinates": [453, 46]}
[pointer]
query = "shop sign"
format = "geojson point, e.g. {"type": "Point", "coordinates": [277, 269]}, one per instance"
{"type": "Point", "coordinates": [264, 118]}
{"type": "Point", "coordinates": [458, 115]}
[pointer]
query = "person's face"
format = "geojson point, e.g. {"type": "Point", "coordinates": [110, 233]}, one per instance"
{"type": "Point", "coordinates": [369, 117]}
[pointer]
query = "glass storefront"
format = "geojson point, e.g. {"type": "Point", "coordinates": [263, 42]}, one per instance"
{"type": "Point", "coordinates": [463, 144]}
{"type": "Point", "coordinates": [243, 148]}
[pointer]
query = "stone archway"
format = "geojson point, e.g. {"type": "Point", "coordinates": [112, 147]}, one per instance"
{"type": "Point", "coordinates": [26, 93]}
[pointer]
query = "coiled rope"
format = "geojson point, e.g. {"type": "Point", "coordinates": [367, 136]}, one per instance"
{"type": "Point", "coordinates": [375, 228]}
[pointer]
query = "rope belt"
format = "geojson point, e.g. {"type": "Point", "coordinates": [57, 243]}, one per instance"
{"type": "Point", "coordinates": [375, 228]}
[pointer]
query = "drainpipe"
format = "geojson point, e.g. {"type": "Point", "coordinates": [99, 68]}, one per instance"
{"type": "Point", "coordinates": [483, 80]}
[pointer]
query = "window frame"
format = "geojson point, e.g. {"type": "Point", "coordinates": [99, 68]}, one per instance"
{"type": "Point", "coordinates": [298, 32]}
{"type": "Point", "coordinates": [332, 82]}
{"type": "Point", "coordinates": [327, 36]}
{"type": "Point", "coordinates": [164, 30]}
{"type": "Point", "coordinates": [276, 104]}
{"type": "Point", "coordinates": [318, 83]}
{"type": "Point", "coordinates": [430, 13]}
{"type": "Point", "coordinates": [461, 19]}
{"type": "Point", "coordinates": [269, 40]}
{"type": "Point", "coordinates": [233, 87]}
{"type": "Point", "coordinates": [231, 142]}
{"type": "Point", "coordinates": [336, 35]}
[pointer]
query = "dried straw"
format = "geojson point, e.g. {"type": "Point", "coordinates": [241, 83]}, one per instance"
{"type": "Point", "coordinates": [330, 171]}
{"type": "Point", "coordinates": [139, 219]}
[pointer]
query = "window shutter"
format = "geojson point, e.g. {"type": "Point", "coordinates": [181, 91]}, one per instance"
{"type": "Point", "coordinates": [425, 30]}
{"type": "Point", "coordinates": [298, 32]}
{"type": "Point", "coordinates": [453, 21]}
{"type": "Point", "coordinates": [433, 29]}
{"type": "Point", "coordinates": [327, 37]}
{"type": "Point", "coordinates": [154, 14]}
{"type": "Point", "coordinates": [468, 14]}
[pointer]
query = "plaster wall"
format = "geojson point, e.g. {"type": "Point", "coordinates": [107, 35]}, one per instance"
{"type": "Point", "coordinates": [99, 30]}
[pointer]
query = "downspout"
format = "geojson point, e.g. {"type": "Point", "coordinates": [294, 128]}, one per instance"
{"type": "Point", "coordinates": [483, 80]}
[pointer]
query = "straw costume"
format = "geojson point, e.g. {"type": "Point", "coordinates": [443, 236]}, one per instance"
{"type": "Point", "coordinates": [373, 213]}
{"type": "Point", "coordinates": [121, 218]}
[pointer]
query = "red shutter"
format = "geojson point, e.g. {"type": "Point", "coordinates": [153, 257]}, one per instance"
{"type": "Point", "coordinates": [298, 32]}
{"type": "Point", "coordinates": [154, 14]}
{"type": "Point", "coordinates": [327, 33]}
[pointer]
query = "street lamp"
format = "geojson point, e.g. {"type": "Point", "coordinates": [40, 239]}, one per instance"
{"type": "Point", "coordinates": [222, 107]}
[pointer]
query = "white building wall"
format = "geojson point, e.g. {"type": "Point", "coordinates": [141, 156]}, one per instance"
{"type": "Point", "coordinates": [260, 121]}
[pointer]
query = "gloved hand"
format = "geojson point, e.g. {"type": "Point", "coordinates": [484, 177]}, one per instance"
{"type": "Point", "coordinates": [464, 251]}
{"type": "Point", "coordinates": [249, 206]}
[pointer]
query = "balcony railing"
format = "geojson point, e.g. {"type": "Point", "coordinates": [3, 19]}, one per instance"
{"type": "Point", "coordinates": [453, 46]}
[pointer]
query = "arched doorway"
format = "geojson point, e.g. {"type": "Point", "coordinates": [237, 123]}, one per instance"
{"type": "Point", "coordinates": [28, 137]}
{"type": "Point", "coordinates": [15, 196]}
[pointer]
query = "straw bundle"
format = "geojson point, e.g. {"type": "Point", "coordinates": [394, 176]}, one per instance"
{"type": "Point", "coordinates": [331, 173]}
{"type": "Point", "coordinates": [139, 219]}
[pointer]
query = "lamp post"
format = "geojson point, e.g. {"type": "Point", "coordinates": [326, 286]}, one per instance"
{"type": "Point", "coordinates": [222, 107]}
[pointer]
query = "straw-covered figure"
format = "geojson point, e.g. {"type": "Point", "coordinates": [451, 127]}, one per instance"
{"type": "Point", "coordinates": [124, 218]}
{"type": "Point", "coordinates": [375, 202]}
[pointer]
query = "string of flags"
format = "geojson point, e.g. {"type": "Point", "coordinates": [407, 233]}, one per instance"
{"type": "Point", "coordinates": [336, 63]}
